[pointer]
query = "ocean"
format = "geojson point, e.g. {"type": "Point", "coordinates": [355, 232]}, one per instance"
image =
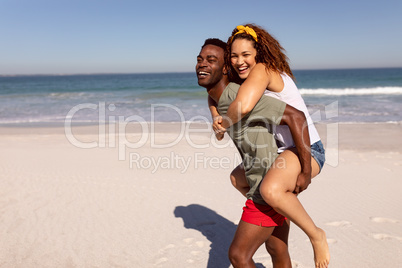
{"type": "Point", "coordinates": [349, 96]}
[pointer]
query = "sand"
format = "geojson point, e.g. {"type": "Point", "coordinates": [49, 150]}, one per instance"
{"type": "Point", "coordinates": [165, 200]}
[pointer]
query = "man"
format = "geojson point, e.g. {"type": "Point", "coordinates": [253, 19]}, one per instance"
{"type": "Point", "coordinates": [254, 139]}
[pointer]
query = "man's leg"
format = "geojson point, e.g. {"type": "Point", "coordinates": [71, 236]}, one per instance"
{"type": "Point", "coordinates": [277, 246]}
{"type": "Point", "coordinates": [248, 238]}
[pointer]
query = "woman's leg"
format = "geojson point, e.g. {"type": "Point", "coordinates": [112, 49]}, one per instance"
{"type": "Point", "coordinates": [277, 190]}
{"type": "Point", "coordinates": [239, 181]}
{"type": "Point", "coordinates": [248, 238]}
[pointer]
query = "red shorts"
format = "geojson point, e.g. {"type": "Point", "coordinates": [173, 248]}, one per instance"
{"type": "Point", "coordinates": [261, 215]}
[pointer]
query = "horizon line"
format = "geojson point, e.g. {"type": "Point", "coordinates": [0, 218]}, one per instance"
{"type": "Point", "coordinates": [130, 73]}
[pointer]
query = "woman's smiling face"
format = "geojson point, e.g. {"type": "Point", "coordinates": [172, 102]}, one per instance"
{"type": "Point", "coordinates": [242, 57]}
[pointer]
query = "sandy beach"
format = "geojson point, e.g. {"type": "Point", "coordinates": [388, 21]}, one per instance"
{"type": "Point", "coordinates": [160, 196]}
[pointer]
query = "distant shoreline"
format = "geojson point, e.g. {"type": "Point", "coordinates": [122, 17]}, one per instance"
{"type": "Point", "coordinates": [185, 72]}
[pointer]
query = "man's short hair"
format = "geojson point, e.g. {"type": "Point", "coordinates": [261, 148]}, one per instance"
{"type": "Point", "coordinates": [216, 42]}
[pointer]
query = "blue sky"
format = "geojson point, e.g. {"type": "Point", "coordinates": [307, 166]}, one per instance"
{"type": "Point", "coordinates": [71, 36]}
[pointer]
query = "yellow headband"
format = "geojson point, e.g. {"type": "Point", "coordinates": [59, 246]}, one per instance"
{"type": "Point", "coordinates": [247, 30]}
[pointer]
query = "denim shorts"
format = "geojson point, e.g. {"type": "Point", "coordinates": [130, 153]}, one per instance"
{"type": "Point", "coordinates": [318, 153]}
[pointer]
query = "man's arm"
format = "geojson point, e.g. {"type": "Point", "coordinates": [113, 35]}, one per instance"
{"type": "Point", "coordinates": [273, 111]}
{"type": "Point", "coordinates": [297, 122]}
{"type": "Point", "coordinates": [216, 118]}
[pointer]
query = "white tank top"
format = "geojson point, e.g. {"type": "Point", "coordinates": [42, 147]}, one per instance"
{"type": "Point", "coordinates": [291, 95]}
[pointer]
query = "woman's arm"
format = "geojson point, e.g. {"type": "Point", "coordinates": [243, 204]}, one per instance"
{"type": "Point", "coordinates": [248, 95]}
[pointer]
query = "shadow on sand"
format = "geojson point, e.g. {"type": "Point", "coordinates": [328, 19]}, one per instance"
{"type": "Point", "coordinates": [217, 229]}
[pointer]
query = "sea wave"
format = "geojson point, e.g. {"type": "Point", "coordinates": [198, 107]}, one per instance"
{"type": "Point", "coordinates": [67, 95]}
{"type": "Point", "coordinates": [352, 91]}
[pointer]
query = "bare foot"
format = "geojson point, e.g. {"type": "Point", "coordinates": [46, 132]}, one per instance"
{"type": "Point", "coordinates": [321, 250]}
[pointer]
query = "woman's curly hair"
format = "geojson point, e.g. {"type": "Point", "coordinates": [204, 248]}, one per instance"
{"type": "Point", "coordinates": [269, 52]}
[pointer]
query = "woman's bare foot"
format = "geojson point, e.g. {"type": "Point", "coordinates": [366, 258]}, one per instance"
{"type": "Point", "coordinates": [321, 250]}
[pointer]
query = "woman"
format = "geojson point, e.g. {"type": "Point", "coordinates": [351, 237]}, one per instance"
{"type": "Point", "coordinates": [257, 61]}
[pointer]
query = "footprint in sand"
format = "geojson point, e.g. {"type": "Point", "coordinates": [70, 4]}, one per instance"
{"type": "Point", "coordinates": [196, 252]}
{"type": "Point", "coordinates": [386, 237]}
{"type": "Point", "coordinates": [331, 241]}
{"type": "Point", "coordinates": [193, 245]}
{"type": "Point", "coordinates": [163, 251]}
{"type": "Point", "coordinates": [167, 247]}
{"type": "Point", "coordinates": [200, 244]}
{"type": "Point", "coordinates": [161, 260]}
{"type": "Point", "coordinates": [188, 240]}
{"type": "Point", "coordinates": [339, 223]}
{"type": "Point", "coordinates": [383, 220]}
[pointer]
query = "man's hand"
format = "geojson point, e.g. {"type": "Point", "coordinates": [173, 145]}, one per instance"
{"type": "Point", "coordinates": [219, 136]}
{"type": "Point", "coordinates": [217, 127]}
{"type": "Point", "coordinates": [303, 181]}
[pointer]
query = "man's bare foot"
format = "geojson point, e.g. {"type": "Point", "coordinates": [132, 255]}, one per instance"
{"type": "Point", "coordinates": [321, 250]}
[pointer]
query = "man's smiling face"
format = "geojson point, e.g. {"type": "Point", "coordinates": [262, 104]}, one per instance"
{"type": "Point", "coordinates": [209, 66]}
